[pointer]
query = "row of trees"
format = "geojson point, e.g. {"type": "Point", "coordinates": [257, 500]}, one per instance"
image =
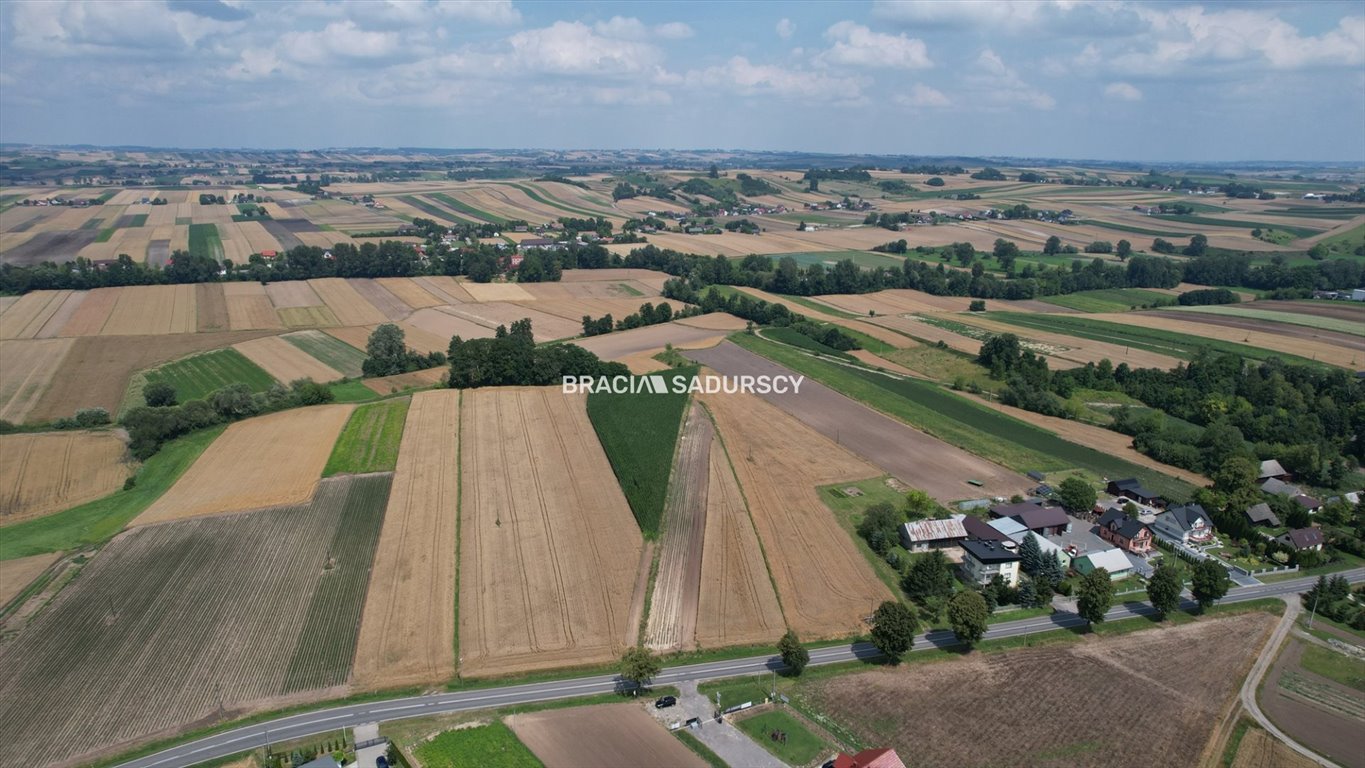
{"type": "Point", "coordinates": [387, 354]}
{"type": "Point", "coordinates": [647, 314]}
{"type": "Point", "coordinates": [163, 418]}
{"type": "Point", "coordinates": [511, 358]}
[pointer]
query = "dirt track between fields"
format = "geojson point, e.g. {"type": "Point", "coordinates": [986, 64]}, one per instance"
{"type": "Point", "coordinates": [673, 609]}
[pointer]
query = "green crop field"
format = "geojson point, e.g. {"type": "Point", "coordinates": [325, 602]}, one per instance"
{"type": "Point", "coordinates": [1170, 343]}
{"type": "Point", "coordinates": [485, 746]}
{"type": "Point", "coordinates": [139, 220]}
{"type": "Point", "coordinates": [1110, 300]}
{"type": "Point", "coordinates": [1346, 243]}
{"type": "Point", "coordinates": [465, 208]}
{"type": "Point", "coordinates": [369, 443]}
{"type": "Point", "coordinates": [97, 521]}
{"type": "Point", "coordinates": [798, 745]}
{"type": "Point", "coordinates": [1352, 327]}
{"type": "Point", "coordinates": [638, 433]}
{"type": "Point", "coordinates": [795, 339]}
{"type": "Point", "coordinates": [534, 194]}
{"type": "Point", "coordinates": [1134, 230]}
{"type": "Point", "coordinates": [332, 351]}
{"type": "Point", "coordinates": [204, 241]}
{"type": "Point", "coordinates": [105, 234]}
{"type": "Point", "coordinates": [274, 596]}
{"type": "Point", "coordinates": [430, 208]}
{"type": "Point", "coordinates": [196, 376]}
{"type": "Point", "coordinates": [954, 419]}
{"type": "Point", "coordinates": [1334, 666]}
{"type": "Point", "coordinates": [1213, 221]}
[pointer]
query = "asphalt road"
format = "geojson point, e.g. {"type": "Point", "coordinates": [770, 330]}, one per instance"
{"type": "Point", "coordinates": [329, 720]}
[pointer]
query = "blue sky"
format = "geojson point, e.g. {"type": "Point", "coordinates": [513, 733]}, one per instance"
{"type": "Point", "coordinates": [1108, 80]}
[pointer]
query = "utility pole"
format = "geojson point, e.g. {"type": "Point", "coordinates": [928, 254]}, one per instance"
{"type": "Point", "coordinates": [1314, 612]}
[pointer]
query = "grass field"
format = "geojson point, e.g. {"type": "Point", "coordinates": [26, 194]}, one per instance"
{"type": "Point", "coordinates": [369, 442]}
{"type": "Point", "coordinates": [199, 375]}
{"type": "Point", "coordinates": [802, 341]}
{"type": "Point", "coordinates": [1213, 221]}
{"type": "Point", "coordinates": [105, 234]}
{"type": "Point", "coordinates": [465, 208]}
{"type": "Point", "coordinates": [555, 202]}
{"type": "Point", "coordinates": [1111, 300]}
{"type": "Point", "coordinates": [800, 745]}
{"type": "Point", "coordinates": [351, 391]}
{"type": "Point", "coordinates": [1354, 328]}
{"type": "Point", "coordinates": [638, 433]}
{"type": "Point", "coordinates": [1346, 243]}
{"type": "Point", "coordinates": [97, 521]}
{"type": "Point", "coordinates": [138, 220]}
{"type": "Point", "coordinates": [333, 352]}
{"type": "Point", "coordinates": [1333, 666]}
{"type": "Point", "coordinates": [486, 746]}
{"type": "Point", "coordinates": [1170, 343]}
{"type": "Point", "coordinates": [1134, 230]}
{"type": "Point", "coordinates": [428, 207]}
{"type": "Point", "coordinates": [985, 432]}
{"type": "Point", "coordinates": [204, 241]}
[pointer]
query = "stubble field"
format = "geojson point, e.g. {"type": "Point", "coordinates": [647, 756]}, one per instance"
{"type": "Point", "coordinates": [41, 473]}
{"type": "Point", "coordinates": [605, 736]}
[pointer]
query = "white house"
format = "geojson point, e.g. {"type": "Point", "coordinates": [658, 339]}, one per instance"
{"type": "Point", "coordinates": [983, 560]}
{"type": "Point", "coordinates": [1112, 560]}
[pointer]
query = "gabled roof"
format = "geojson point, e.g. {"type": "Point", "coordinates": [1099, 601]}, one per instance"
{"type": "Point", "coordinates": [1271, 468]}
{"type": "Point", "coordinates": [1304, 538]}
{"type": "Point", "coordinates": [934, 530]}
{"type": "Point", "coordinates": [1263, 515]}
{"type": "Point", "coordinates": [1010, 510]}
{"type": "Point", "coordinates": [870, 758]}
{"type": "Point", "coordinates": [980, 529]}
{"type": "Point", "coordinates": [1117, 520]}
{"type": "Point", "coordinates": [1038, 518]}
{"type": "Point", "coordinates": [1112, 560]}
{"type": "Point", "coordinates": [1307, 502]}
{"type": "Point", "coordinates": [1185, 516]}
{"type": "Point", "coordinates": [989, 551]}
{"type": "Point", "coordinates": [1279, 487]}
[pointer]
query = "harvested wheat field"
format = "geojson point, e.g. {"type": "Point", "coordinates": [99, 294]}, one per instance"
{"type": "Point", "coordinates": [90, 317]}
{"type": "Point", "coordinates": [380, 298]}
{"type": "Point", "coordinates": [1170, 684]}
{"type": "Point", "coordinates": [648, 277]}
{"type": "Point", "coordinates": [144, 310]}
{"type": "Point", "coordinates": [737, 604]}
{"type": "Point", "coordinates": [440, 324]}
{"type": "Point", "coordinates": [286, 362]}
{"type": "Point", "coordinates": [20, 572]}
{"type": "Point", "coordinates": [448, 289]}
{"type": "Point", "coordinates": [545, 327]}
{"type": "Point", "coordinates": [410, 292]}
{"type": "Point", "coordinates": [549, 549]}
{"type": "Point", "coordinates": [26, 368]}
{"type": "Point", "coordinates": [1261, 750]}
{"type": "Point", "coordinates": [349, 307]}
{"type": "Point", "coordinates": [194, 623]}
{"type": "Point", "coordinates": [292, 293]}
{"type": "Point", "coordinates": [1343, 350]}
{"type": "Point", "coordinates": [262, 462]}
{"type": "Point", "coordinates": [25, 318]}
{"type": "Point", "coordinates": [407, 633]}
{"type": "Point", "coordinates": [831, 315]}
{"type": "Point", "coordinates": [769, 449]}
{"type": "Point", "coordinates": [482, 292]}
{"type": "Point", "coordinates": [603, 736]}
{"type": "Point", "coordinates": [651, 339]}
{"type": "Point", "coordinates": [42, 473]}
{"type": "Point", "coordinates": [896, 301]}
{"type": "Point", "coordinates": [1059, 346]}
{"type": "Point", "coordinates": [384, 385]}
{"type": "Point", "coordinates": [212, 306]}
{"type": "Point", "coordinates": [94, 372]}
{"type": "Point", "coordinates": [249, 307]}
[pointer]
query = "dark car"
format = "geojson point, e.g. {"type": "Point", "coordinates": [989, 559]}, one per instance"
{"type": "Point", "coordinates": [381, 762]}
{"type": "Point", "coordinates": [665, 701]}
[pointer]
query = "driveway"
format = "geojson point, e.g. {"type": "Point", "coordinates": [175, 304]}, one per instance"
{"type": "Point", "coordinates": [724, 739]}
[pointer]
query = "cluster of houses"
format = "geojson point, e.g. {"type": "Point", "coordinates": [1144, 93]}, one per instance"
{"type": "Point", "coordinates": [1120, 538]}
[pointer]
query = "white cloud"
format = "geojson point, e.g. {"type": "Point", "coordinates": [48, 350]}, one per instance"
{"type": "Point", "coordinates": [921, 95]}
{"type": "Point", "coordinates": [742, 76]}
{"type": "Point", "coordinates": [786, 28]}
{"type": "Point", "coordinates": [142, 27]}
{"type": "Point", "coordinates": [340, 40]}
{"type": "Point", "coordinates": [572, 48]}
{"type": "Point", "coordinates": [1122, 92]}
{"type": "Point", "coordinates": [993, 82]}
{"type": "Point", "coordinates": [858, 46]}
{"type": "Point", "coordinates": [997, 13]}
{"type": "Point", "coordinates": [673, 30]}
{"type": "Point", "coordinates": [486, 11]}
{"type": "Point", "coordinates": [628, 28]}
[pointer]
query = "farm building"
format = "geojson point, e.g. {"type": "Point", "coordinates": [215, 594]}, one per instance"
{"type": "Point", "coordinates": [1132, 488]}
{"type": "Point", "coordinates": [1125, 532]}
{"type": "Point", "coordinates": [536, 242]}
{"type": "Point", "coordinates": [1277, 487]}
{"type": "Point", "coordinates": [984, 560]}
{"type": "Point", "coordinates": [1035, 517]}
{"type": "Point", "coordinates": [869, 758]}
{"type": "Point", "coordinates": [1271, 468]}
{"type": "Point", "coordinates": [1302, 539]}
{"type": "Point", "coordinates": [1010, 510]}
{"type": "Point", "coordinates": [980, 529]}
{"type": "Point", "coordinates": [1186, 524]}
{"type": "Point", "coordinates": [923, 535]}
{"type": "Point", "coordinates": [1011, 529]}
{"type": "Point", "coordinates": [1112, 560]}
{"type": "Point", "coordinates": [1261, 514]}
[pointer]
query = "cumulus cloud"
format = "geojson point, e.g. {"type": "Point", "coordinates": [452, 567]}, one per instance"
{"type": "Point", "coordinates": [921, 95]}
{"type": "Point", "coordinates": [573, 48]}
{"type": "Point", "coordinates": [1122, 92]}
{"type": "Point", "coordinates": [745, 77]}
{"type": "Point", "coordinates": [967, 13]}
{"type": "Point", "coordinates": [1178, 37]}
{"type": "Point", "coordinates": [858, 46]}
{"type": "Point", "coordinates": [673, 30]}
{"type": "Point", "coordinates": [994, 82]}
{"type": "Point", "coordinates": [786, 28]}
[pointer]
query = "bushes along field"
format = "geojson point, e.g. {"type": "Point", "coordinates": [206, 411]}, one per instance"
{"type": "Point", "coordinates": [638, 433]}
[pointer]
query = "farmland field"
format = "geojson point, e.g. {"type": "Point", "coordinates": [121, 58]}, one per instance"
{"type": "Point", "coordinates": [638, 433]}
{"type": "Point", "coordinates": [407, 633]}
{"type": "Point", "coordinates": [1138, 679]}
{"type": "Point", "coordinates": [17, 574]}
{"type": "Point", "coordinates": [482, 746]}
{"type": "Point", "coordinates": [29, 365]}
{"type": "Point", "coordinates": [1354, 327]}
{"type": "Point", "coordinates": [1112, 300]}
{"type": "Point", "coordinates": [199, 375]}
{"type": "Point", "coordinates": [549, 552]}
{"type": "Point", "coordinates": [369, 442]}
{"type": "Point", "coordinates": [604, 736]}
{"type": "Point", "coordinates": [286, 362]}
{"type": "Point", "coordinates": [779, 461]}
{"type": "Point", "coordinates": [204, 241]}
{"type": "Point", "coordinates": [260, 462]}
{"type": "Point", "coordinates": [136, 621]}
{"type": "Point", "coordinates": [42, 473]}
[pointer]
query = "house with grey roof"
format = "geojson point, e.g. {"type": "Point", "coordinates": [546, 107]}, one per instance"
{"type": "Point", "coordinates": [1185, 524]}
{"type": "Point", "coordinates": [1271, 468]}
{"type": "Point", "coordinates": [1302, 539]}
{"type": "Point", "coordinates": [1277, 487]}
{"type": "Point", "coordinates": [1262, 514]}
{"type": "Point", "coordinates": [1112, 560]}
{"type": "Point", "coordinates": [1125, 532]}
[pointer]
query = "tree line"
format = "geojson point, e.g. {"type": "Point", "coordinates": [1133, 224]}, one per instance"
{"type": "Point", "coordinates": [511, 358]}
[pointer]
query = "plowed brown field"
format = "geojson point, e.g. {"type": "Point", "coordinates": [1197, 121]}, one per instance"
{"type": "Point", "coordinates": [42, 473]}
{"type": "Point", "coordinates": [548, 546]}
{"type": "Point", "coordinates": [262, 462]}
{"type": "Point", "coordinates": [825, 586]}
{"type": "Point", "coordinates": [603, 736]}
{"type": "Point", "coordinates": [407, 633]}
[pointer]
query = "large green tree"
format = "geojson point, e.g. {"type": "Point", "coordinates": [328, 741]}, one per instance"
{"type": "Point", "coordinates": [639, 666]}
{"type": "Point", "coordinates": [968, 615]}
{"type": "Point", "coordinates": [1095, 596]}
{"type": "Point", "coordinates": [893, 629]}
{"type": "Point", "coordinates": [929, 578]}
{"type": "Point", "coordinates": [793, 653]}
{"type": "Point", "coordinates": [1164, 589]}
{"type": "Point", "coordinates": [1076, 495]}
{"type": "Point", "coordinates": [1209, 583]}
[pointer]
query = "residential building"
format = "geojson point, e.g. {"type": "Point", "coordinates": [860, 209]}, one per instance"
{"type": "Point", "coordinates": [1112, 560]}
{"type": "Point", "coordinates": [1079, 541]}
{"type": "Point", "coordinates": [924, 535]}
{"type": "Point", "coordinates": [1125, 532]}
{"type": "Point", "coordinates": [1262, 514]}
{"type": "Point", "coordinates": [536, 242]}
{"type": "Point", "coordinates": [1188, 524]}
{"type": "Point", "coordinates": [984, 560]}
{"type": "Point", "coordinates": [1132, 488]}
{"type": "Point", "coordinates": [1302, 539]}
{"type": "Point", "coordinates": [869, 758]}
{"type": "Point", "coordinates": [1277, 487]}
{"type": "Point", "coordinates": [1271, 468]}
{"type": "Point", "coordinates": [1307, 503]}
